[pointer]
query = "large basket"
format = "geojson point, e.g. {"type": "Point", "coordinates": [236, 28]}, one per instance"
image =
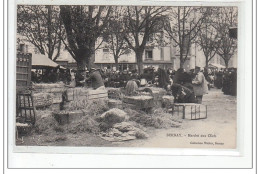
{"type": "Point", "coordinates": [140, 102]}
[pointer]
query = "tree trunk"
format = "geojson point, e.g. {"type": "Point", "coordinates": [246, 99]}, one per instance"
{"type": "Point", "coordinates": [82, 58]}
{"type": "Point", "coordinates": [181, 64]}
{"type": "Point", "coordinates": [81, 64]}
{"type": "Point", "coordinates": [139, 61]}
{"type": "Point", "coordinates": [50, 51]}
{"type": "Point", "coordinates": [226, 63]}
{"type": "Point", "coordinates": [181, 61]}
{"type": "Point", "coordinates": [116, 62]}
{"type": "Point", "coordinates": [140, 67]}
{"type": "Point", "coordinates": [91, 59]}
{"type": "Point", "coordinates": [226, 59]}
{"type": "Point", "coordinates": [207, 62]}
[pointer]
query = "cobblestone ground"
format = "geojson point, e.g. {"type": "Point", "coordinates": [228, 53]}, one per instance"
{"type": "Point", "coordinates": [217, 131]}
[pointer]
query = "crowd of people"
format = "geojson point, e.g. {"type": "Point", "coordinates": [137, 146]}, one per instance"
{"type": "Point", "coordinates": [51, 75]}
{"type": "Point", "coordinates": [186, 87]}
{"type": "Point", "coordinates": [229, 82]}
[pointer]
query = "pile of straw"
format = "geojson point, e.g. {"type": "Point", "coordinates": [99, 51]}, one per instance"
{"type": "Point", "coordinates": [94, 107]}
{"type": "Point", "coordinates": [111, 117]}
{"type": "Point", "coordinates": [47, 125]}
{"type": "Point", "coordinates": [86, 124]}
{"type": "Point", "coordinates": [123, 131]}
{"type": "Point", "coordinates": [158, 119]}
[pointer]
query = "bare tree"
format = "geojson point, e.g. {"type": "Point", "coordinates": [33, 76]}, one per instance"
{"type": "Point", "coordinates": [114, 36]}
{"type": "Point", "coordinates": [182, 27]}
{"type": "Point", "coordinates": [208, 36]}
{"type": "Point", "coordinates": [141, 22]}
{"type": "Point", "coordinates": [225, 18]}
{"type": "Point", "coordinates": [84, 24]}
{"type": "Point", "coordinates": [42, 27]}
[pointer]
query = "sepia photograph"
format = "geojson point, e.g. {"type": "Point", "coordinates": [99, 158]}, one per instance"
{"type": "Point", "coordinates": [126, 76]}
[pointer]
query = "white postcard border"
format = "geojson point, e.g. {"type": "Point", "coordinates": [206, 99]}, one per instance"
{"type": "Point", "coordinates": [225, 158]}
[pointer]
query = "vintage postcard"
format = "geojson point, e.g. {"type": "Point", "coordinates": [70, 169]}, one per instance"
{"type": "Point", "coordinates": [127, 76]}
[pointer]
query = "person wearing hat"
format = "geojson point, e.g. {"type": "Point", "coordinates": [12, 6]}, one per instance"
{"type": "Point", "coordinates": [200, 86]}
{"type": "Point", "coordinates": [95, 79]}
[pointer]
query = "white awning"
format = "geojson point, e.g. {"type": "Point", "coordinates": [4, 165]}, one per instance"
{"type": "Point", "coordinates": [42, 61]}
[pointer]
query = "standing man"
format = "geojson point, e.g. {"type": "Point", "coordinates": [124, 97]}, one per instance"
{"type": "Point", "coordinates": [200, 86]}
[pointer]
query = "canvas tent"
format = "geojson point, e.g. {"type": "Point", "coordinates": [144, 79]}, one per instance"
{"type": "Point", "coordinates": [42, 61]}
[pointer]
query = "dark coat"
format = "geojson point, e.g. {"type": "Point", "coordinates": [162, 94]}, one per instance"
{"type": "Point", "coordinates": [96, 79]}
{"type": "Point", "coordinates": [163, 78]}
{"type": "Point", "coordinates": [182, 94]}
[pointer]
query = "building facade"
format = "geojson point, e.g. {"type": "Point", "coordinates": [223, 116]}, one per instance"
{"type": "Point", "coordinates": [155, 55]}
{"type": "Point", "coordinates": [166, 56]}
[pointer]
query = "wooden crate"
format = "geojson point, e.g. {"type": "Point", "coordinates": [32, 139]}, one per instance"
{"type": "Point", "coordinates": [23, 70]}
{"type": "Point", "coordinates": [97, 94]}
{"type": "Point", "coordinates": [42, 100]}
{"type": "Point", "coordinates": [55, 90]}
{"type": "Point", "coordinates": [79, 93]}
{"type": "Point", "coordinates": [67, 117]}
{"type": "Point", "coordinates": [50, 90]}
{"type": "Point", "coordinates": [61, 118]}
{"type": "Point", "coordinates": [57, 97]}
{"type": "Point", "coordinates": [55, 107]}
{"type": "Point", "coordinates": [191, 111]}
{"type": "Point", "coordinates": [48, 86]}
{"type": "Point", "coordinates": [76, 93]}
{"type": "Point", "coordinates": [114, 103]}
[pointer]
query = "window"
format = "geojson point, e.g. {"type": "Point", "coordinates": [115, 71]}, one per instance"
{"type": "Point", "coordinates": [22, 47]}
{"type": "Point", "coordinates": [106, 50]}
{"type": "Point", "coordinates": [148, 54]}
{"type": "Point", "coordinates": [105, 53]}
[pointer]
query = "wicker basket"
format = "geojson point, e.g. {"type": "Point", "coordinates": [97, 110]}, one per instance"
{"type": "Point", "coordinates": [141, 102]}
